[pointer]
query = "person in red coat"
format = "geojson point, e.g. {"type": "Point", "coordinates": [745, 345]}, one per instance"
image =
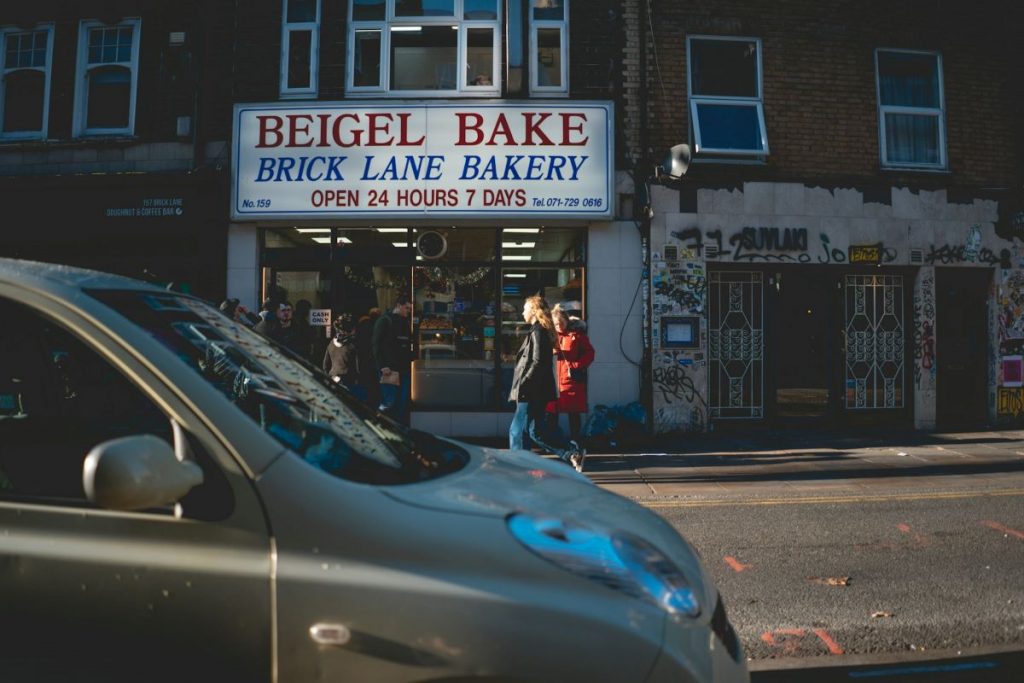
{"type": "Point", "coordinates": [574, 355]}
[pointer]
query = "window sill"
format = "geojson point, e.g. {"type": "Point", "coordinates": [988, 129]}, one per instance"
{"type": "Point", "coordinates": [914, 169]}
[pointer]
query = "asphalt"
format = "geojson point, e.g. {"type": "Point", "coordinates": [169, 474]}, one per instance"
{"type": "Point", "coordinates": [800, 463]}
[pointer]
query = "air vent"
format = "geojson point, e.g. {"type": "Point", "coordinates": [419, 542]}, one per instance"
{"type": "Point", "coordinates": [671, 252]}
{"type": "Point", "coordinates": [917, 256]}
{"type": "Point", "coordinates": [431, 245]}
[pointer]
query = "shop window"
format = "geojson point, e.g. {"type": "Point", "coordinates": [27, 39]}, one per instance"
{"type": "Point", "coordinates": [549, 46]}
{"type": "Point", "coordinates": [25, 81]}
{"type": "Point", "coordinates": [726, 106]}
{"type": "Point", "coordinates": [407, 47]}
{"type": "Point", "coordinates": [108, 65]}
{"type": "Point", "coordinates": [300, 41]}
{"type": "Point", "coordinates": [910, 109]}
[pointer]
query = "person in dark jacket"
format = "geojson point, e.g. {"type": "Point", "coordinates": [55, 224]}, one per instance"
{"type": "Point", "coordinates": [341, 362]}
{"type": "Point", "coordinates": [239, 313]}
{"type": "Point", "coordinates": [392, 354]}
{"type": "Point", "coordinates": [533, 384]}
{"type": "Point", "coordinates": [278, 327]}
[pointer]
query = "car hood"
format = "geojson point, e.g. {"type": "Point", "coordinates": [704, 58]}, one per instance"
{"type": "Point", "coordinates": [498, 483]}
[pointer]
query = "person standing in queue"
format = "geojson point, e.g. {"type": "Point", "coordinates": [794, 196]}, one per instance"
{"type": "Point", "coordinates": [533, 384]}
{"type": "Point", "coordinates": [574, 354]}
{"type": "Point", "coordinates": [392, 354]}
{"type": "Point", "coordinates": [364, 352]}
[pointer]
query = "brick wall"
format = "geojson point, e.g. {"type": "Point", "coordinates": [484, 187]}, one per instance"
{"type": "Point", "coordinates": [819, 88]}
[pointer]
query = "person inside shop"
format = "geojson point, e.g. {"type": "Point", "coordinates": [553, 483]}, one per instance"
{"type": "Point", "coordinates": [533, 385]}
{"type": "Point", "coordinates": [305, 335]}
{"type": "Point", "coordinates": [364, 353]}
{"type": "Point", "coordinates": [392, 354]}
{"type": "Point", "coordinates": [279, 327]}
{"type": "Point", "coordinates": [341, 359]}
{"type": "Point", "coordinates": [574, 354]}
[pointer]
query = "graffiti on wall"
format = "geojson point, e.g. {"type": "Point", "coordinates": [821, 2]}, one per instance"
{"type": "Point", "coordinates": [679, 402]}
{"type": "Point", "coordinates": [680, 289]}
{"type": "Point", "coordinates": [1010, 401]}
{"type": "Point", "coordinates": [1011, 312]}
{"type": "Point", "coordinates": [924, 330]}
{"type": "Point", "coordinates": [773, 244]}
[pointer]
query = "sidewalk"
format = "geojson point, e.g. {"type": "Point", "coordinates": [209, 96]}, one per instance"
{"type": "Point", "coordinates": [797, 465]}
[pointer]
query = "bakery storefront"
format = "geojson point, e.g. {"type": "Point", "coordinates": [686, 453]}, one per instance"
{"type": "Point", "coordinates": [466, 209]}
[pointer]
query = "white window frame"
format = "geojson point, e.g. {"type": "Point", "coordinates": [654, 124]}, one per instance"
{"type": "Point", "coordinates": [314, 58]}
{"type": "Point", "coordinates": [462, 89]}
{"type": "Point", "coordinates": [79, 128]}
{"type": "Point", "coordinates": [5, 71]}
{"type": "Point", "coordinates": [756, 102]}
{"type": "Point", "coordinates": [938, 113]}
{"type": "Point", "coordinates": [563, 25]}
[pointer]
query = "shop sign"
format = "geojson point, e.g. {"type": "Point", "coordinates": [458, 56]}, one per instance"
{"type": "Point", "coordinates": [146, 207]}
{"type": "Point", "coordinates": [320, 317]}
{"type": "Point", "coordinates": [341, 160]}
{"type": "Point", "coordinates": [866, 254]}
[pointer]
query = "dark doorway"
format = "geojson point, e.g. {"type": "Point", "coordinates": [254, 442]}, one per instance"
{"type": "Point", "coordinates": [961, 347]}
{"type": "Point", "coordinates": [802, 382]}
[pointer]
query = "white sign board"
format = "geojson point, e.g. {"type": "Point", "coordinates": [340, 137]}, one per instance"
{"type": "Point", "coordinates": [340, 160]}
{"type": "Point", "coordinates": [320, 317]}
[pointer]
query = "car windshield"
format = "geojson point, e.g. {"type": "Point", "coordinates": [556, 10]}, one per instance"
{"type": "Point", "coordinates": [291, 400]}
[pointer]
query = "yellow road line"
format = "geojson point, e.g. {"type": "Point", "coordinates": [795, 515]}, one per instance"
{"type": "Point", "coordinates": [818, 500]}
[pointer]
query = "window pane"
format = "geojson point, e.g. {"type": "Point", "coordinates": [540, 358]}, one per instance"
{"type": "Point", "coordinates": [301, 10]}
{"type": "Point", "coordinates": [25, 49]}
{"type": "Point", "coordinates": [456, 307]}
{"type": "Point", "coordinates": [549, 57]}
{"type": "Point", "coordinates": [424, 59]}
{"type": "Point", "coordinates": [480, 9]}
{"type": "Point", "coordinates": [911, 139]}
{"type": "Point", "coordinates": [480, 56]}
{"type": "Point", "coordinates": [367, 59]}
{"type": "Point", "coordinates": [425, 8]}
{"type": "Point", "coordinates": [23, 101]}
{"type": "Point", "coordinates": [299, 49]}
{"type": "Point", "coordinates": [367, 10]}
{"type": "Point", "coordinates": [723, 67]}
{"type": "Point", "coordinates": [550, 10]}
{"type": "Point", "coordinates": [109, 97]}
{"type": "Point", "coordinates": [908, 80]}
{"type": "Point", "coordinates": [724, 126]}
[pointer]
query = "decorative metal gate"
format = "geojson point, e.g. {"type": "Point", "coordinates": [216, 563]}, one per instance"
{"type": "Point", "coordinates": [736, 345]}
{"type": "Point", "coordinates": [875, 341]}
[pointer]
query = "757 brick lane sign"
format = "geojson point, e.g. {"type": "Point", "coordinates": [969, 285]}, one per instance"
{"type": "Point", "coordinates": [340, 160]}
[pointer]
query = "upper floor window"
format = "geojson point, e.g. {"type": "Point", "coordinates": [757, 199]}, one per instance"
{"type": "Point", "coordinates": [726, 105]}
{"type": "Point", "coordinates": [911, 121]}
{"type": "Point", "coordinates": [549, 45]}
{"type": "Point", "coordinates": [424, 47]}
{"type": "Point", "coordinates": [107, 77]}
{"type": "Point", "coordinates": [25, 81]}
{"type": "Point", "coordinates": [300, 47]}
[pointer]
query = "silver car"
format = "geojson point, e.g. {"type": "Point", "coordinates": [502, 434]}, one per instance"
{"type": "Point", "coordinates": [182, 500]}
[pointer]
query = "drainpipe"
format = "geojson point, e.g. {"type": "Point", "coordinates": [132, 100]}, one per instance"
{"type": "Point", "coordinates": [641, 202]}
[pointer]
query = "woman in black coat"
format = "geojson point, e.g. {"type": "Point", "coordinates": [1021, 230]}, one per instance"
{"type": "Point", "coordinates": [533, 384]}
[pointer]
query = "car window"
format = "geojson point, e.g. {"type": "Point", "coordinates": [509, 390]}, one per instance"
{"type": "Point", "coordinates": [58, 399]}
{"type": "Point", "coordinates": [294, 402]}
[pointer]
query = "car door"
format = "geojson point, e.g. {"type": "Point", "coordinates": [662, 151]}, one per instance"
{"type": "Point", "coordinates": [176, 593]}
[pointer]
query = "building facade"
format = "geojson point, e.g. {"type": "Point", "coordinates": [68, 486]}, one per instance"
{"type": "Point", "coordinates": [843, 251]}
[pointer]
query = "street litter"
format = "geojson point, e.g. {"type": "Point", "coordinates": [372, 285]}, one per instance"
{"type": "Point", "coordinates": [830, 580]}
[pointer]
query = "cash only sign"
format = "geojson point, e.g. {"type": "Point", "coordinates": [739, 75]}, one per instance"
{"type": "Point", "coordinates": [339, 160]}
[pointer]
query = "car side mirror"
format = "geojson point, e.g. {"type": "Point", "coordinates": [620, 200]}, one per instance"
{"type": "Point", "coordinates": [136, 473]}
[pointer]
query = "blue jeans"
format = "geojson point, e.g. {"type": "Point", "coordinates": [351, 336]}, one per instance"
{"type": "Point", "coordinates": [394, 399]}
{"type": "Point", "coordinates": [529, 418]}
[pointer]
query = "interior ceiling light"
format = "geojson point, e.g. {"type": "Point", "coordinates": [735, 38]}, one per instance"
{"type": "Point", "coordinates": [523, 257]}
{"type": "Point", "coordinates": [531, 231]}
{"type": "Point", "coordinates": [518, 245]}
{"type": "Point", "coordinates": [392, 229]}
{"type": "Point", "coordinates": [400, 245]}
{"type": "Point", "coordinates": [516, 275]}
{"type": "Point", "coordinates": [313, 230]}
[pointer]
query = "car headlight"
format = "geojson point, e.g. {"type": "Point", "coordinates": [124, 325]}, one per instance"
{"type": "Point", "coordinates": [619, 560]}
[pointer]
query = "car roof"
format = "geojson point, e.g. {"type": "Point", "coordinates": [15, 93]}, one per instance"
{"type": "Point", "coordinates": [51, 277]}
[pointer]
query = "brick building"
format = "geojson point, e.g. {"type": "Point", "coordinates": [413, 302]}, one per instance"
{"type": "Point", "coordinates": [843, 249]}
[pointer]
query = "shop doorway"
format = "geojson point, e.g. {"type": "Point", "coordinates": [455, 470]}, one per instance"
{"type": "Point", "coordinates": [961, 343]}
{"type": "Point", "coordinates": [802, 315]}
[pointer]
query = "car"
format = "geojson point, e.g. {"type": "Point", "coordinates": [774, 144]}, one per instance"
{"type": "Point", "coordinates": [182, 499]}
